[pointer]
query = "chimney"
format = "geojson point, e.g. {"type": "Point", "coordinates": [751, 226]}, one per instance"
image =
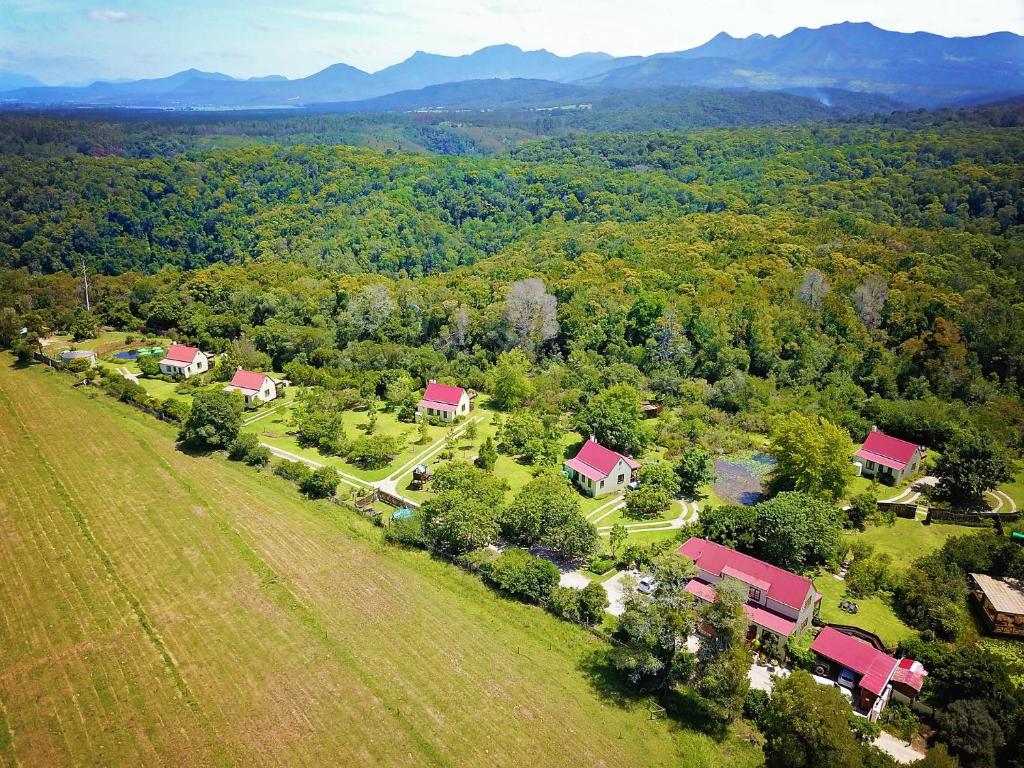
{"type": "Point", "coordinates": [431, 381]}
{"type": "Point", "coordinates": [874, 427]}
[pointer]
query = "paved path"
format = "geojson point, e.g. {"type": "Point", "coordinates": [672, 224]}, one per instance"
{"type": "Point", "coordinates": [1001, 499]}
{"type": "Point", "coordinates": [689, 511]}
{"type": "Point", "coordinates": [281, 453]}
{"type": "Point", "coordinates": [427, 452]}
{"type": "Point", "coordinates": [763, 679]}
{"type": "Point", "coordinates": [607, 509]}
{"type": "Point", "coordinates": [573, 579]}
{"type": "Point", "coordinates": [128, 374]}
{"type": "Point", "coordinates": [615, 588]}
{"type": "Point", "coordinates": [900, 751]}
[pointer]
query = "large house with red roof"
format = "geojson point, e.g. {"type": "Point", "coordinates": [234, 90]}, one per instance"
{"type": "Point", "coordinates": [888, 458]}
{"type": "Point", "coordinates": [780, 604]}
{"type": "Point", "coordinates": [444, 402]}
{"type": "Point", "coordinates": [598, 470]}
{"type": "Point", "coordinates": [255, 387]}
{"type": "Point", "coordinates": [184, 361]}
{"type": "Point", "coordinates": [871, 674]}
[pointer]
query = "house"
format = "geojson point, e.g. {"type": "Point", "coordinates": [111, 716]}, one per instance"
{"type": "Point", "coordinates": [184, 361]}
{"type": "Point", "coordinates": [780, 604]}
{"type": "Point", "coordinates": [888, 458]}
{"type": "Point", "coordinates": [444, 402]}
{"type": "Point", "coordinates": [598, 470]}
{"type": "Point", "coordinates": [872, 675]}
{"type": "Point", "coordinates": [256, 387]}
{"type": "Point", "coordinates": [1001, 602]}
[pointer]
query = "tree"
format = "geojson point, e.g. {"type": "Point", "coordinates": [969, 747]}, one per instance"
{"type": "Point", "coordinates": [723, 659]}
{"type": "Point", "coordinates": [695, 468]}
{"type": "Point", "coordinates": [522, 575]}
{"type": "Point", "coordinates": [615, 418]}
{"type": "Point", "coordinates": [373, 451]}
{"type": "Point", "coordinates": [617, 537]}
{"type": "Point", "coordinates": [149, 365]}
{"type": "Point", "coordinates": [488, 455]}
{"type": "Point", "coordinates": [660, 475]}
{"type": "Point", "coordinates": [812, 455]}
{"type": "Point", "coordinates": [242, 446]}
{"type": "Point", "coordinates": [794, 531]}
{"type": "Point", "coordinates": [807, 725]}
{"type": "Point", "coordinates": [510, 386]}
{"type": "Point", "coordinates": [731, 525]}
{"type": "Point", "coordinates": [464, 514]}
{"type": "Point", "coordinates": [969, 729]}
{"type": "Point", "coordinates": [869, 298]}
{"type": "Point", "coordinates": [214, 420]}
{"type": "Point", "coordinates": [320, 483]}
{"type": "Point", "coordinates": [813, 289]}
{"type": "Point", "coordinates": [863, 508]}
{"type": "Point", "coordinates": [547, 511]}
{"type": "Point", "coordinates": [84, 325]}
{"type": "Point", "coordinates": [530, 314]}
{"type": "Point", "coordinates": [937, 757]}
{"type": "Point", "coordinates": [969, 466]}
{"type": "Point", "coordinates": [523, 434]}
{"type": "Point", "coordinates": [647, 501]}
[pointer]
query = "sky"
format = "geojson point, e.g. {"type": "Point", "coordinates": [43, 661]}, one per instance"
{"type": "Point", "coordinates": [77, 41]}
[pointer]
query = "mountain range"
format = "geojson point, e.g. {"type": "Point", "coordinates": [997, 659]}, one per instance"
{"type": "Point", "coordinates": [915, 69]}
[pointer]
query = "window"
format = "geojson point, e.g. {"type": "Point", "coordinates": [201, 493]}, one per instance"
{"type": "Point", "coordinates": [602, 483]}
{"type": "Point", "coordinates": [755, 594]}
{"type": "Point", "coordinates": [621, 478]}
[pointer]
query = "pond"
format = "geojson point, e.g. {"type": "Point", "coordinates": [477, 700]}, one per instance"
{"type": "Point", "coordinates": [131, 354]}
{"type": "Point", "coordinates": [742, 476]}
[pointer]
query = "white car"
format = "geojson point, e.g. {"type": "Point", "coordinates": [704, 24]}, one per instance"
{"type": "Point", "coordinates": [647, 584]}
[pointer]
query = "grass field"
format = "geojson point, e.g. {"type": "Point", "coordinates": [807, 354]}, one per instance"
{"type": "Point", "coordinates": [908, 540]}
{"type": "Point", "coordinates": [874, 614]}
{"type": "Point", "coordinates": [159, 608]}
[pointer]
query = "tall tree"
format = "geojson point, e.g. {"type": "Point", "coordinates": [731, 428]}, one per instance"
{"type": "Point", "coordinates": [530, 314]}
{"type": "Point", "coordinates": [969, 466]}
{"type": "Point", "coordinates": [812, 456]}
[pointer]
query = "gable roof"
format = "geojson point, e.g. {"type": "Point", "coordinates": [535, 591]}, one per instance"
{"type": "Point", "coordinates": [755, 613]}
{"type": "Point", "coordinates": [597, 462]}
{"type": "Point", "coordinates": [875, 667]}
{"type": "Point", "coordinates": [910, 673]}
{"type": "Point", "coordinates": [1006, 594]}
{"type": "Point", "coordinates": [783, 586]}
{"type": "Point", "coordinates": [442, 397]}
{"type": "Point", "coordinates": [887, 450]}
{"type": "Point", "coordinates": [248, 380]}
{"type": "Point", "coordinates": [180, 354]}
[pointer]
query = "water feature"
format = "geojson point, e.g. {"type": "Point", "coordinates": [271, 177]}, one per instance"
{"type": "Point", "coordinates": [742, 477]}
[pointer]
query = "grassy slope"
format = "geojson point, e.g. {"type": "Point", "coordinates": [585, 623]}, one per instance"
{"type": "Point", "coordinates": [161, 608]}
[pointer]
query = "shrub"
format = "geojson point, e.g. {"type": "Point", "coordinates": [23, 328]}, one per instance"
{"type": "Point", "coordinates": [755, 706]}
{"type": "Point", "coordinates": [320, 483]}
{"type": "Point", "coordinates": [407, 532]}
{"type": "Point", "coordinates": [582, 606]}
{"type": "Point", "coordinates": [174, 409]}
{"type": "Point", "coordinates": [296, 471]}
{"type": "Point", "coordinates": [258, 456]}
{"type": "Point", "coordinates": [601, 563]}
{"type": "Point", "coordinates": [522, 575]}
{"type": "Point", "coordinates": [214, 420]}
{"type": "Point", "coordinates": [242, 446]}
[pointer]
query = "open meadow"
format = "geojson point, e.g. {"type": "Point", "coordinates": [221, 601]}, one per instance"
{"type": "Point", "coordinates": [158, 608]}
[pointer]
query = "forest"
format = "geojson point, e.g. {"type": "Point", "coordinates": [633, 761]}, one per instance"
{"type": "Point", "coordinates": [852, 273]}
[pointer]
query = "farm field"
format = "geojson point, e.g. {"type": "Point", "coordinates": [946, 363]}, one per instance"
{"type": "Point", "coordinates": [159, 608]}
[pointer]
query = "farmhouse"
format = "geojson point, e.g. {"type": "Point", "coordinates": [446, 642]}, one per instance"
{"type": "Point", "coordinates": [598, 470]}
{"type": "Point", "coordinates": [872, 675]}
{"type": "Point", "coordinates": [887, 457]}
{"type": "Point", "coordinates": [444, 402]}
{"type": "Point", "coordinates": [779, 604]}
{"type": "Point", "coordinates": [1001, 602]}
{"type": "Point", "coordinates": [184, 361]}
{"type": "Point", "coordinates": [254, 386]}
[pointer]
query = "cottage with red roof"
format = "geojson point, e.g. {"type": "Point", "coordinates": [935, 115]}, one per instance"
{"type": "Point", "coordinates": [871, 674]}
{"type": "Point", "coordinates": [780, 604]}
{"type": "Point", "coordinates": [888, 458]}
{"type": "Point", "coordinates": [253, 386]}
{"type": "Point", "coordinates": [184, 361]}
{"type": "Point", "coordinates": [444, 402]}
{"type": "Point", "coordinates": [598, 470]}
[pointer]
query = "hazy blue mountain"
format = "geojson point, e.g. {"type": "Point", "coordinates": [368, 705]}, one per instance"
{"type": "Point", "coordinates": [919, 69]}
{"type": "Point", "coordinates": [11, 80]}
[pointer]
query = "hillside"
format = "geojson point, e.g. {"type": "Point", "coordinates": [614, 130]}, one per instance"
{"type": "Point", "coordinates": [161, 608]}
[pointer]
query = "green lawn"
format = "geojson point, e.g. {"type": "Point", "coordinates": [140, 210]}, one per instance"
{"type": "Point", "coordinates": [880, 491]}
{"type": "Point", "coordinates": [908, 540]}
{"type": "Point", "coordinates": [161, 608]}
{"type": "Point", "coordinates": [875, 614]}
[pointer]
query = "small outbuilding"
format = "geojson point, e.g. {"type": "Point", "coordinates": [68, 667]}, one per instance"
{"type": "Point", "coordinates": [598, 470]}
{"type": "Point", "coordinates": [889, 458]}
{"type": "Point", "coordinates": [184, 361]}
{"type": "Point", "coordinates": [444, 402]}
{"type": "Point", "coordinates": [255, 387]}
{"type": "Point", "coordinates": [1001, 602]}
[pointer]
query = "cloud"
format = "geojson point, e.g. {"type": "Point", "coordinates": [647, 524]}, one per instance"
{"type": "Point", "coordinates": [113, 17]}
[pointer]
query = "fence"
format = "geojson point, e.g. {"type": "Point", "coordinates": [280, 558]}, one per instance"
{"type": "Point", "coordinates": [907, 511]}
{"type": "Point", "coordinates": [52, 362]}
{"type": "Point", "coordinates": [971, 517]}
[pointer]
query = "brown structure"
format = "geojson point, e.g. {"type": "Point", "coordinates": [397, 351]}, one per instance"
{"type": "Point", "coordinates": [1001, 602]}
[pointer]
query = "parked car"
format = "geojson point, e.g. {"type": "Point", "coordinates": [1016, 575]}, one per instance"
{"type": "Point", "coordinates": [847, 679]}
{"type": "Point", "coordinates": [647, 584]}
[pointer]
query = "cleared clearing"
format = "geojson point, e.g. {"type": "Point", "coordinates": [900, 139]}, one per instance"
{"type": "Point", "coordinates": [158, 608]}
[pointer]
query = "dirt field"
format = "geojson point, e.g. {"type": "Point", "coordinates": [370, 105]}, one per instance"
{"type": "Point", "coordinates": [163, 609]}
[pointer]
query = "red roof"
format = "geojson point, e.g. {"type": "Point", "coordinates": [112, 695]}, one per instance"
{"type": "Point", "coordinates": [783, 586]}
{"type": "Point", "coordinates": [248, 380]}
{"type": "Point", "coordinates": [911, 673]}
{"type": "Point", "coordinates": [442, 397]}
{"type": "Point", "coordinates": [756, 614]}
{"type": "Point", "coordinates": [180, 353]}
{"type": "Point", "coordinates": [597, 462]}
{"type": "Point", "coordinates": [857, 655]}
{"type": "Point", "coordinates": [887, 451]}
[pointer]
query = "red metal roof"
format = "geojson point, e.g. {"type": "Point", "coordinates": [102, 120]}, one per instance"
{"type": "Point", "coordinates": [443, 394]}
{"type": "Point", "coordinates": [783, 586]}
{"type": "Point", "coordinates": [180, 353]}
{"type": "Point", "coordinates": [887, 451]}
{"type": "Point", "coordinates": [597, 462]}
{"type": "Point", "coordinates": [756, 614]}
{"type": "Point", "coordinates": [911, 673]}
{"type": "Point", "coordinates": [248, 380]}
{"type": "Point", "coordinates": [857, 655]}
